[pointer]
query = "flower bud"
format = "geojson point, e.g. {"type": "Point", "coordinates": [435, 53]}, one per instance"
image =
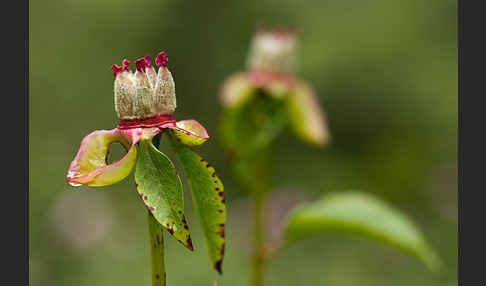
{"type": "Point", "coordinates": [272, 50]}
{"type": "Point", "coordinates": [145, 93]}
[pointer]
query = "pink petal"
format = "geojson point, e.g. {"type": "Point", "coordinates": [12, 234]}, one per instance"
{"type": "Point", "coordinates": [190, 132]}
{"type": "Point", "coordinates": [89, 166]}
{"type": "Point", "coordinates": [237, 90]}
{"type": "Point", "coordinates": [307, 117]}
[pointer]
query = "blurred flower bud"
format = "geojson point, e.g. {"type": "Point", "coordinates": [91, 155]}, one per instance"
{"type": "Point", "coordinates": [273, 50]}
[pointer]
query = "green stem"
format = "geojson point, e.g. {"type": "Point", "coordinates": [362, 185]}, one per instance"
{"type": "Point", "coordinates": [258, 240]}
{"type": "Point", "coordinates": [156, 251]}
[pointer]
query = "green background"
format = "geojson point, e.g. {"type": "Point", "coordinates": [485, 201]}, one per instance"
{"type": "Point", "coordinates": [385, 72]}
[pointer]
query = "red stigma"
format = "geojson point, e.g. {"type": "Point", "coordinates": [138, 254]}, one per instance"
{"type": "Point", "coordinates": [140, 64]}
{"type": "Point", "coordinates": [147, 61]}
{"type": "Point", "coordinates": [125, 64]}
{"type": "Point", "coordinates": [162, 59]}
{"type": "Point", "coordinates": [116, 69]}
{"type": "Point", "coordinates": [143, 63]}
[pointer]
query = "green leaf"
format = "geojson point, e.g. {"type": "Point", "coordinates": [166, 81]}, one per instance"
{"type": "Point", "coordinates": [363, 215]}
{"type": "Point", "coordinates": [160, 188]}
{"type": "Point", "coordinates": [208, 196]}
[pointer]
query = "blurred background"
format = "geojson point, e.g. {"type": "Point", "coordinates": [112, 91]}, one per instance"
{"type": "Point", "coordinates": [386, 74]}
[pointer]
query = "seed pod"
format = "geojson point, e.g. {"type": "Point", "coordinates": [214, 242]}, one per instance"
{"type": "Point", "coordinates": [125, 90]}
{"type": "Point", "coordinates": [165, 101]}
{"type": "Point", "coordinates": [145, 93]}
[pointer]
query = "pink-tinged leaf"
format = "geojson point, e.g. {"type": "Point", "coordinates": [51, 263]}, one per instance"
{"type": "Point", "coordinates": [189, 133]}
{"type": "Point", "coordinates": [307, 118]}
{"type": "Point", "coordinates": [237, 90]}
{"type": "Point", "coordinates": [90, 168]}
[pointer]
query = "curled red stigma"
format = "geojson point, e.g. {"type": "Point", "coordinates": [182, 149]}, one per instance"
{"type": "Point", "coordinates": [125, 64]}
{"type": "Point", "coordinates": [147, 61]}
{"type": "Point", "coordinates": [162, 59]}
{"type": "Point", "coordinates": [143, 63]}
{"type": "Point", "coordinates": [116, 69]}
{"type": "Point", "coordinates": [140, 64]}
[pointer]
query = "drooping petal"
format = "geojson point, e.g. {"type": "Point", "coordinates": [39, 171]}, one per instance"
{"type": "Point", "coordinates": [90, 168]}
{"type": "Point", "coordinates": [208, 197]}
{"type": "Point", "coordinates": [306, 115]}
{"type": "Point", "coordinates": [236, 90]}
{"type": "Point", "coordinates": [189, 132]}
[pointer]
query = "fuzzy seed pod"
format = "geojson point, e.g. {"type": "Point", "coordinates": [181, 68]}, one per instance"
{"type": "Point", "coordinates": [145, 93]}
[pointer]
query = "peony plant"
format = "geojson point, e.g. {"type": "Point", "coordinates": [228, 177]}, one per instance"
{"type": "Point", "coordinates": [145, 101]}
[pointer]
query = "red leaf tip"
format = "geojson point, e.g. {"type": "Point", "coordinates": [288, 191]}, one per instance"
{"type": "Point", "coordinates": [162, 59]}
{"type": "Point", "coordinates": [218, 266]}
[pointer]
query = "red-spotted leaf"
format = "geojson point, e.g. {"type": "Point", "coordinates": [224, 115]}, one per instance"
{"type": "Point", "coordinates": [364, 215]}
{"type": "Point", "coordinates": [208, 196]}
{"type": "Point", "coordinates": [160, 188]}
